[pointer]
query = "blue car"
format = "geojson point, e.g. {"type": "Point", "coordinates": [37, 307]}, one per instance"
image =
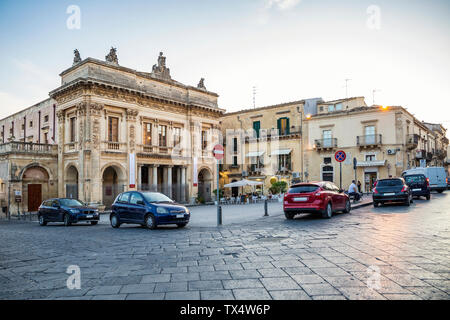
{"type": "Point", "coordinates": [148, 209]}
{"type": "Point", "coordinates": [68, 211]}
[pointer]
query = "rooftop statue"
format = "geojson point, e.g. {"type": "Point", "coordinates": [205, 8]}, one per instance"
{"type": "Point", "coordinates": [160, 70]}
{"type": "Point", "coordinates": [77, 57]}
{"type": "Point", "coordinates": [112, 56]}
{"type": "Point", "coordinates": [201, 84]}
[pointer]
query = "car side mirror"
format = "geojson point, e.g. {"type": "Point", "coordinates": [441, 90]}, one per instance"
{"type": "Point", "coordinates": [341, 190]}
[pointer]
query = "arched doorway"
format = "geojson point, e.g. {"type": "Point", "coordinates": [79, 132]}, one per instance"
{"type": "Point", "coordinates": [72, 183]}
{"type": "Point", "coordinates": [113, 185]}
{"type": "Point", "coordinates": [204, 184]}
{"type": "Point", "coordinates": [35, 184]}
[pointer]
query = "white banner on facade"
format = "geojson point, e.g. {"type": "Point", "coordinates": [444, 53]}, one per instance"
{"type": "Point", "coordinates": [195, 173]}
{"type": "Point", "coordinates": [132, 170]}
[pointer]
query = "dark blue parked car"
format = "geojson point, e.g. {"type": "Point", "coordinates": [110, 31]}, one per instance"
{"type": "Point", "coordinates": [149, 209]}
{"type": "Point", "coordinates": [66, 210]}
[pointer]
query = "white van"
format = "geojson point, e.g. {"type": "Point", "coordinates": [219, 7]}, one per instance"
{"type": "Point", "coordinates": [437, 177]}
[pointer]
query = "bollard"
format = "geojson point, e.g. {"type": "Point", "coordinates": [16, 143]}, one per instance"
{"type": "Point", "coordinates": [266, 213]}
{"type": "Point", "coordinates": [219, 215]}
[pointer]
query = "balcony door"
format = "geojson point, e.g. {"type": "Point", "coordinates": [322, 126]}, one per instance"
{"type": "Point", "coordinates": [370, 134]}
{"type": "Point", "coordinates": [327, 138]}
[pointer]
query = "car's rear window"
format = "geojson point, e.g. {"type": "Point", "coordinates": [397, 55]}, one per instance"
{"type": "Point", "coordinates": [418, 178]}
{"type": "Point", "coordinates": [303, 189]}
{"type": "Point", "coordinates": [390, 183]}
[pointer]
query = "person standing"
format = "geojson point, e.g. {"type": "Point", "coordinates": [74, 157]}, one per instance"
{"type": "Point", "coordinates": [359, 186]}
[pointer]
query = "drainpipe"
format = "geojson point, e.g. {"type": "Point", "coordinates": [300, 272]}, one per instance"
{"type": "Point", "coordinates": [39, 128]}
{"type": "Point", "coordinates": [3, 133]}
{"type": "Point", "coordinates": [54, 122]}
{"type": "Point", "coordinates": [301, 140]}
{"type": "Point", "coordinates": [240, 136]}
{"type": "Point", "coordinates": [25, 129]}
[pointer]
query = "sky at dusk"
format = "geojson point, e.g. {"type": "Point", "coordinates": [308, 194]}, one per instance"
{"type": "Point", "coordinates": [288, 49]}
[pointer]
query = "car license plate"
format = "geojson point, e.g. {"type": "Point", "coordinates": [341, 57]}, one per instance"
{"type": "Point", "coordinates": [389, 194]}
{"type": "Point", "coordinates": [417, 189]}
{"type": "Point", "coordinates": [89, 216]}
{"type": "Point", "coordinates": [180, 215]}
{"type": "Point", "coordinates": [301, 199]}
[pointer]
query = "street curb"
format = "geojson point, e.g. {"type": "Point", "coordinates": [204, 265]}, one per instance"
{"type": "Point", "coordinates": [361, 205]}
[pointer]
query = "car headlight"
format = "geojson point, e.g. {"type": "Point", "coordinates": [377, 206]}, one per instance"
{"type": "Point", "coordinates": [187, 211]}
{"type": "Point", "coordinates": [74, 211]}
{"type": "Point", "coordinates": [162, 210]}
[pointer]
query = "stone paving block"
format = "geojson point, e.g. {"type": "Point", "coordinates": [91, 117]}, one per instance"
{"type": "Point", "coordinates": [242, 284]}
{"type": "Point", "coordinates": [257, 265]}
{"type": "Point", "coordinates": [110, 297]}
{"type": "Point", "coordinates": [174, 270]}
{"type": "Point", "coordinates": [104, 290]}
{"type": "Point", "coordinates": [138, 288]}
{"type": "Point", "coordinates": [216, 295]}
{"type": "Point", "coordinates": [189, 295]}
{"type": "Point", "coordinates": [307, 278]}
{"type": "Point", "coordinates": [221, 267]}
{"type": "Point", "coordinates": [153, 278]}
{"type": "Point", "coordinates": [331, 272]}
{"type": "Point", "coordinates": [284, 283]}
{"type": "Point", "coordinates": [200, 269]}
{"type": "Point", "coordinates": [145, 296]}
{"type": "Point", "coordinates": [272, 273]}
{"type": "Point", "coordinates": [329, 297]}
{"type": "Point", "coordinates": [287, 263]}
{"type": "Point", "coordinates": [192, 276]}
{"type": "Point", "coordinates": [301, 270]}
{"type": "Point", "coordinates": [215, 275]}
{"type": "Point", "coordinates": [361, 293]}
{"type": "Point", "coordinates": [429, 293]}
{"type": "Point", "coordinates": [205, 285]}
{"type": "Point", "coordinates": [289, 295]}
{"type": "Point", "coordinates": [245, 274]}
{"type": "Point", "coordinates": [345, 281]}
{"type": "Point", "coordinates": [406, 280]}
{"type": "Point", "coordinates": [251, 294]}
{"type": "Point", "coordinates": [397, 296]}
{"type": "Point", "coordinates": [171, 287]}
{"type": "Point", "coordinates": [320, 289]}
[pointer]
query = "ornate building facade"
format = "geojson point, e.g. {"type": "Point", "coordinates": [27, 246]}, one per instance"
{"type": "Point", "coordinates": [113, 129]}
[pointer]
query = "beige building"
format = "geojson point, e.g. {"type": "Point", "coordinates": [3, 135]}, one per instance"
{"type": "Point", "coordinates": [109, 129]}
{"type": "Point", "coordinates": [384, 140]}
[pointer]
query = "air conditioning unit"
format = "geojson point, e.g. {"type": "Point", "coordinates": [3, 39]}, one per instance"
{"type": "Point", "coordinates": [244, 173]}
{"type": "Point", "coordinates": [391, 151]}
{"type": "Point", "coordinates": [295, 174]}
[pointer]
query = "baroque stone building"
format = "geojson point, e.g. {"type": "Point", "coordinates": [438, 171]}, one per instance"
{"type": "Point", "coordinates": [112, 129]}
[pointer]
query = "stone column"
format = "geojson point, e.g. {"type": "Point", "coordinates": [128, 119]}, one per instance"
{"type": "Point", "coordinates": [139, 176]}
{"type": "Point", "coordinates": [164, 181]}
{"type": "Point", "coordinates": [155, 178]}
{"type": "Point", "coordinates": [169, 181]}
{"type": "Point", "coordinates": [183, 184]}
{"type": "Point", "coordinates": [179, 186]}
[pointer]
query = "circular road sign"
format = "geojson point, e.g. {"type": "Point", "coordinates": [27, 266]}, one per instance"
{"type": "Point", "coordinates": [340, 156]}
{"type": "Point", "coordinates": [218, 152]}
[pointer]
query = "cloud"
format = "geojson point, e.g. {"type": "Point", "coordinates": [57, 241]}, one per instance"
{"type": "Point", "coordinates": [282, 4]}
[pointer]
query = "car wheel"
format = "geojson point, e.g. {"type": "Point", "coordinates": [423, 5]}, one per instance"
{"type": "Point", "coordinates": [150, 222]}
{"type": "Point", "coordinates": [440, 191]}
{"type": "Point", "coordinates": [115, 223]}
{"type": "Point", "coordinates": [375, 204]}
{"type": "Point", "coordinates": [428, 197]}
{"type": "Point", "coordinates": [181, 225]}
{"type": "Point", "coordinates": [348, 206]}
{"type": "Point", "coordinates": [42, 221]}
{"type": "Point", "coordinates": [328, 212]}
{"type": "Point", "coordinates": [289, 215]}
{"type": "Point", "coordinates": [67, 220]}
{"type": "Point", "coordinates": [94, 223]}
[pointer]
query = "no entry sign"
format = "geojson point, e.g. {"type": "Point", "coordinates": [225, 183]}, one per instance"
{"type": "Point", "coordinates": [340, 156]}
{"type": "Point", "coordinates": [218, 152]}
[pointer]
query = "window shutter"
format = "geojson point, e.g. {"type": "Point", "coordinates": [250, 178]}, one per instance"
{"type": "Point", "coordinates": [279, 126]}
{"type": "Point", "coordinates": [288, 128]}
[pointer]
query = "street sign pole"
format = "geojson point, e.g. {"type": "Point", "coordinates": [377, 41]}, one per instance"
{"type": "Point", "coordinates": [340, 157]}
{"type": "Point", "coordinates": [340, 175]}
{"type": "Point", "coordinates": [218, 153]}
{"type": "Point", "coordinates": [219, 209]}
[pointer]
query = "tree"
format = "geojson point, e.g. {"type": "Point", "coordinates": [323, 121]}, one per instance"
{"type": "Point", "coordinates": [278, 187]}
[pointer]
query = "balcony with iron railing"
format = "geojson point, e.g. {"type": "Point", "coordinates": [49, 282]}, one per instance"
{"type": "Point", "coordinates": [421, 154]}
{"type": "Point", "coordinates": [372, 140]}
{"type": "Point", "coordinates": [29, 147]}
{"type": "Point", "coordinates": [412, 141]}
{"type": "Point", "coordinates": [255, 169]}
{"type": "Point", "coordinates": [325, 144]}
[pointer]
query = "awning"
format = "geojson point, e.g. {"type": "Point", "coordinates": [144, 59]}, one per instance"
{"type": "Point", "coordinates": [380, 163]}
{"type": "Point", "coordinates": [281, 152]}
{"type": "Point", "coordinates": [255, 154]}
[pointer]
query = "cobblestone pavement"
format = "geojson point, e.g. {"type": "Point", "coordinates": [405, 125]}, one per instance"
{"type": "Point", "coordinates": [270, 258]}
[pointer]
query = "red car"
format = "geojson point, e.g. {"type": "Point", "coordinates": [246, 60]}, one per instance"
{"type": "Point", "coordinates": [315, 197]}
